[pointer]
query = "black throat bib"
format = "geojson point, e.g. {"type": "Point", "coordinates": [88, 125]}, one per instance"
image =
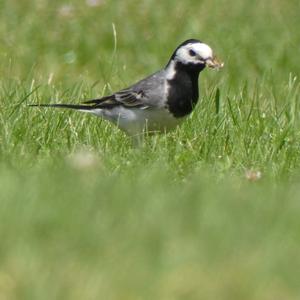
{"type": "Point", "coordinates": [183, 92]}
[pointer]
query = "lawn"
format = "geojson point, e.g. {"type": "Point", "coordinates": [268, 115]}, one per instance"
{"type": "Point", "coordinates": [208, 211]}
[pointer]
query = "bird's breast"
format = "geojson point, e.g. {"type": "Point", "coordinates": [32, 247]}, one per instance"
{"type": "Point", "coordinates": [181, 101]}
{"type": "Point", "coordinates": [182, 94]}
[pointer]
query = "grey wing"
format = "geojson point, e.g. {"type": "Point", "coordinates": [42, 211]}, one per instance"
{"type": "Point", "coordinates": [149, 92]}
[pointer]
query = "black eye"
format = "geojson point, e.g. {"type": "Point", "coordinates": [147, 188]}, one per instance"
{"type": "Point", "coordinates": [192, 52]}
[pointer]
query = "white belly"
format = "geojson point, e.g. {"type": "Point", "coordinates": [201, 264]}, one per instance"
{"type": "Point", "coordinates": [135, 120]}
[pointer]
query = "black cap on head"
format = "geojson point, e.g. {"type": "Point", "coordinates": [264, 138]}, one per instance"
{"type": "Point", "coordinates": [189, 41]}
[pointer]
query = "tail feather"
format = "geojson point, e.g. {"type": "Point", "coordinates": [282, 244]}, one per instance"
{"type": "Point", "coordinates": [87, 105]}
{"type": "Point", "coordinates": [61, 105]}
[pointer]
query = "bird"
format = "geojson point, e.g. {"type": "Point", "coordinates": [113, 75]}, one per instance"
{"type": "Point", "coordinates": [159, 102]}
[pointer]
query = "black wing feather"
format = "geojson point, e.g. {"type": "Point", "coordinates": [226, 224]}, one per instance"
{"type": "Point", "coordinates": [126, 98]}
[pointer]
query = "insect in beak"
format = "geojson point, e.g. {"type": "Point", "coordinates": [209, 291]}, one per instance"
{"type": "Point", "coordinates": [214, 63]}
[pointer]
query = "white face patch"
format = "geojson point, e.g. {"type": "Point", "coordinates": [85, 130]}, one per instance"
{"type": "Point", "coordinates": [194, 53]}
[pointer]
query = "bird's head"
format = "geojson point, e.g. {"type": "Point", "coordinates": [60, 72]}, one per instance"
{"type": "Point", "coordinates": [196, 54]}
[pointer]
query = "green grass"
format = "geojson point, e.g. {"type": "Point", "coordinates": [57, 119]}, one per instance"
{"type": "Point", "coordinates": [209, 211]}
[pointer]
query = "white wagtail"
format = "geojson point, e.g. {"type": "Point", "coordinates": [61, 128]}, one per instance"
{"type": "Point", "coordinates": [159, 102]}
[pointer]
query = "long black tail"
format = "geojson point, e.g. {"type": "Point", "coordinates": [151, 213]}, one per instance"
{"type": "Point", "coordinates": [71, 106]}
